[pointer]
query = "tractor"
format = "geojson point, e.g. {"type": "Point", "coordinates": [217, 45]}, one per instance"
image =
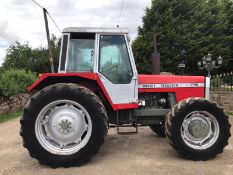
{"type": "Point", "coordinates": [97, 87]}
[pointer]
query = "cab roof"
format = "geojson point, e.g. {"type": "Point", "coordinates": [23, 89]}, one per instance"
{"type": "Point", "coordinates": [94, 30]}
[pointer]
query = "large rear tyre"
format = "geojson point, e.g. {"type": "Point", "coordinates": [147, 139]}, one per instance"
{"type": "Point", "coordinates": [63, 125]}
{"type": "Point", "coordinates": [197, 129]}
{"type": "Point", "coordinates": [159, 129]}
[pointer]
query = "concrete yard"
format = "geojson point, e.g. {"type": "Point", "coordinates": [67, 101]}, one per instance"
{"type": "Point", "coordinates": [144, 153]}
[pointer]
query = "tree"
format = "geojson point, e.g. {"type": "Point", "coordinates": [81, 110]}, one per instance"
{"type": "Point", "coordinates": [22, 56]}
{"type": "Point", "coordinates": [227, 15]}
{"type": "Point", "coordinates": [186, 30]}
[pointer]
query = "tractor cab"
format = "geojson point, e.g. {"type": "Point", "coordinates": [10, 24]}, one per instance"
{"type": "Point", "coordinates": [105, 51]}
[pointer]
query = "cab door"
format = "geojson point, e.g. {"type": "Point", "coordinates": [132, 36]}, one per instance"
{"type": "Point", "coordinates": [117, 69]}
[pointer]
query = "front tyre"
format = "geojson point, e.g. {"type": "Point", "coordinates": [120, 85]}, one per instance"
{"type": "Point", "coordinates": [159, 129]}
{"type": "Point", "coordinates": [197, 129]}
{"type": "Point", "coordinates": [63, 125]}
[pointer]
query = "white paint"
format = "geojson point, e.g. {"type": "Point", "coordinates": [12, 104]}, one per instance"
{"type": "Point", "coordinates": [95, 30]}
{"type": "Point", "coordinates": [122, 93]}
{"type": "Point", "coordinates": [119, 93]}
{"type": "Point", "coordinates": [207, 88]}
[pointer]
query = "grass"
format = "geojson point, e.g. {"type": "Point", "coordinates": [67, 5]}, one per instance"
{"type": "Point", "coordinates": [10, 115]}
{"type": "Point", "coordinates": [229, 113]}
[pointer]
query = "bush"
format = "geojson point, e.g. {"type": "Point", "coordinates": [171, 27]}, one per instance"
{"type": "Point", "coordinates": [15, 81]}
{"type": "Point", "coordinates": [215, 82]}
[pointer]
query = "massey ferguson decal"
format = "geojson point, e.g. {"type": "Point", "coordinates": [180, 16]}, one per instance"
{"type": "Point", "coordinates": [171, 85]}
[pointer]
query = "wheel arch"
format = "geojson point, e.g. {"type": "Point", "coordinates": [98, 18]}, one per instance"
{"type": "Point", "coordinates": [88, 80]}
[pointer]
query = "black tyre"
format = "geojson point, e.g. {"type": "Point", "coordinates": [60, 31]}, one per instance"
{"type": "Point", "coordinates": [63, 125]}
{"type": "Point", "coordinates": [197, 129]}
{"type": "Point", "coordinates": [159, 129]}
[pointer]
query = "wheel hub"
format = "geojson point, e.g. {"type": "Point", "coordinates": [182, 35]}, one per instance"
{"type": "Point", "coordinates": [199, 130]}
{"type": "Point", "coordinates": [66, 124]}
{"type": "Point", "coordinates": [63, 127]}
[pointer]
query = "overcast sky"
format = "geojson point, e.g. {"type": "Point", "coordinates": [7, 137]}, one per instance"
{"type": "Point", "coordinates": [22, 20]}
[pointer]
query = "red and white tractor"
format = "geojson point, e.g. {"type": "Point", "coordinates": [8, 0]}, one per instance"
{"type": "Point", "coordinates": [97, 86]}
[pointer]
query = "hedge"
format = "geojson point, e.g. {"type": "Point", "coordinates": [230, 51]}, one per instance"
{"type": "Point", "coordinates": [15, 81]}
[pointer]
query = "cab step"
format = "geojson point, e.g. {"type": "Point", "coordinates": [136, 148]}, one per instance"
{"type": "Point", "coordinates": [120, 132]}
{"type": "Point", "coordinates": [134, 125]}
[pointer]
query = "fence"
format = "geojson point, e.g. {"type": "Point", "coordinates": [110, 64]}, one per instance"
{"type": "Point", "coordinates": [222, 82]}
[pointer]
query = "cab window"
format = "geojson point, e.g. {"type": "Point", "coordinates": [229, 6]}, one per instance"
{"type": "Point", "coordinates": [81, 53]}
{"type": "Point", "coordinates": [114, 61]}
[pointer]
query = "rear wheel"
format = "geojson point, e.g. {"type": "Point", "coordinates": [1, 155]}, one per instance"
{"type": "Point", "coordinates": [197, 129]}
{"type": "Point", "coordinates": [63, 125]}
{"type": "Point", "coordinates": [158, 129]}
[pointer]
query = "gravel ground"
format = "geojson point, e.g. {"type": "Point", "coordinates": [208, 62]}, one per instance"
{"type": "Point", "coordinates": [144, 153]}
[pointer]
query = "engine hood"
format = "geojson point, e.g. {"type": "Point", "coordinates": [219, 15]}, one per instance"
{"type": "Point", "coordinates": [168, 79]}
{"type": "Point", "coordinates": [183, 86]}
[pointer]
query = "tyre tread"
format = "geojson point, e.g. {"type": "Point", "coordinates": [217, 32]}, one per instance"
{"type": "Point", "coordinates": [171, 119]}
{"type": "Point", "coordinates": [26, 119]}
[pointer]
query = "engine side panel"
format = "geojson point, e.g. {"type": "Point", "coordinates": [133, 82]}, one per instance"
{"type": "Point", "coordinates": [183, 86]}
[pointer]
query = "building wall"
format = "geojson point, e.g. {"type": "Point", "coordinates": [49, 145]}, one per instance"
{"type": "Point", "coordinates": [223, 98]}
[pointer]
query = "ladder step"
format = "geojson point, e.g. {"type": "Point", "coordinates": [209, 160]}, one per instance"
{"type": "Point", "coordinates": [127, 133]}
{"type": "Point", "coordinates": [134, 124]}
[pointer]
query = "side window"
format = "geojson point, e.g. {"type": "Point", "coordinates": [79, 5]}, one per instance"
{"type": "Point", "coordinates": [81, 53]}
{"type": "Point", "coordinates": [114, 61]}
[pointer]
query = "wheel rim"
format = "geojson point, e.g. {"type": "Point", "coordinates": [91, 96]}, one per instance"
{"type": "Point", "coordinates": [200, 130]}
{"type": "Point", "coordinates": [63, 127]}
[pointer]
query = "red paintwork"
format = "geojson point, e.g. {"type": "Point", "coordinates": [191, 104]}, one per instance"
{"type": "Point", "coordinates": [150, 79]}
{"type": "Point", "coordinates": [125, 106]}
{"type": "Point", "coordinates": [181, 93]}
{"type": "Point", "coordinates": [91, 76]}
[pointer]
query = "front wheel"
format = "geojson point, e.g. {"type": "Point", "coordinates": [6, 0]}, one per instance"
{"type": "Point", "coordinates": [197, 129]}
{"type": "Point", "coordinates": [63, 125]}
